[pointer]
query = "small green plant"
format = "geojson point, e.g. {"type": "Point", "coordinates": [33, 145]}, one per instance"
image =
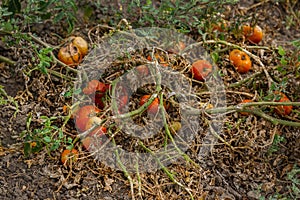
{"type": "Point", "coordinates": [45, 59]}
{"type": "Point", "coordinates": [294, 177]}
{"type": "Point", "coordinates": [37, 11]}
{"type": "Point", "coordinates": [275, 145]}
{"type": "Point", "coordinates": [5, 99]}
{"type": "Point", "coordinates": [48, 135]}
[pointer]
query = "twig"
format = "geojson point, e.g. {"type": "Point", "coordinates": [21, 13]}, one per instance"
{"type": "Point", "coordinates": [239, 83]}
{"type": "Point", "coordinates": [169, 174]}
{"type": "Point", "coordinates": [126, 173]}
{"type": "Point", "coordinates": [7, 60]}
{"type": "Point", "coordinates": [168, 133]}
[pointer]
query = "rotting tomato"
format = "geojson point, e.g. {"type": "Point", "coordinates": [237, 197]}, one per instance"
{"type": "Point", "coordinates": [283, 110]}
{"type": "Point", "coordinates": [240, 60]}
{"type": "Point", "coordinates": [142, 70]}
{"type": "Point", "coordinates": [81, 44]}
{"type": "Point", "coordinates": [84, 114]}
{"type": "Point", "coordinates": [246, 101]}
{"type": "Point", "coordinates": [253, 34]}
{"type": "Point", "coordinates": [69, 156]}
{"type": "Point", "coordinates": [70, 55]}
{"type": "Point", "coordinates": [201, 69]}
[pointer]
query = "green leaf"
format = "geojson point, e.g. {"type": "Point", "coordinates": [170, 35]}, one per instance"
{"type": "Point", "coordinates": [47, 139]}
{"type": "Point", "coordinates": [27, 149]}
{"type": "Point", "coordinates": [281, 51]}
{"type": "Point", "coordinates": [215, 57]}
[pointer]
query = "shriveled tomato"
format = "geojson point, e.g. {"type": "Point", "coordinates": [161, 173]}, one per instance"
{"type": "Point", "coordinates": [70, 55]}
{"type": "Point", "coordinates": [153, 107]}
{"type": "Point", "coordinates": [240, 60]}
{"type": "Point", "coordinates": [84, 114]}
{"type": "Point", "coordinates": [283, 110]}
{"type": "Point", "coordinates": [253, 34]}
{"type": "Point", "coordinates": [246, 101]}
{"type": "Point", "coordinates": [201, 69]}
{"type": "Point", "coordinates": [81, 44]}
{"type": "Point", "coordinates": [69, 156]}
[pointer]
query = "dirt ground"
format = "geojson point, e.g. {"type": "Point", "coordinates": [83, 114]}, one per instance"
{"type": "Point", "coordinates": [246, 171]}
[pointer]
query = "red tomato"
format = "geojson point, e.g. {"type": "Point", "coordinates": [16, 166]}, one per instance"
{"type": "Point", "coordinates": [93, 86]}
{"type": "Point", "coordinates": [283, 110]}
{"type": "Point", "coordinates": [86, 142]}
{"type": "Point", "coordinates": [246, 101]}
{"type": "Point", "coordinates": [153, 107]}
{"type": "Point", "coordinates": [253, 34]}
{"type": "Point", "coordinates": [84, 114]}
{"type": "Point", "coordinates": [201, 69]}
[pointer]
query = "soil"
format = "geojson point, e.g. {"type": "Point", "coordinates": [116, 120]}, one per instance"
{"type": "Point", "coordinates": [248, 172]}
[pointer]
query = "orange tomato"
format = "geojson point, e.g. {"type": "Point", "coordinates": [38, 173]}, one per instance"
{"type": "Point", "coordinates": [84, 114]}
{"type": "Point", "coordinates": [253, 34]}
{"type": "Point", "coordinates": [153, 107]}
{"type": "Point", "coordinates": [70, 55]}
{"type": "Point", "coordinates": [201, 69]}
{"type": "Point", "coordinates": [240, 60]}
{"type": "Point", "coordinates": [246, 101]}
{"type": "Point", "coordinates": [219, 26]}
{"type": "Point", "coordinates": [81, 44]}
{"type": "Point", "coordinates": [283, 110]}
{"type": "Point", "coordinates": [68, 156]}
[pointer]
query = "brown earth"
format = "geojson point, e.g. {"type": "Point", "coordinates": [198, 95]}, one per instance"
{"type": "Point", "coordinates": [249, 172]}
